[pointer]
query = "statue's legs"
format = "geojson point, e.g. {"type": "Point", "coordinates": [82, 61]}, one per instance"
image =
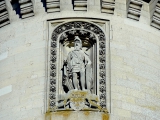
{"type": "Point", "coordinates": [75, 81]}
{"type": "Point", "coordinates": [88, 77]}
{"type": "Point", "coordinates": [88, 85]}
{"type": "Point", "coordinates": [82, 78]}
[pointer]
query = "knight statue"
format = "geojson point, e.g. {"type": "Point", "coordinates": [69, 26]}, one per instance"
{"type": "Point", "coordinates": [77, 68]}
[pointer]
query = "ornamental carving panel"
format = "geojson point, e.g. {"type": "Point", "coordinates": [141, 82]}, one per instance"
{"type": "Point", "coordinates": [77, 67]}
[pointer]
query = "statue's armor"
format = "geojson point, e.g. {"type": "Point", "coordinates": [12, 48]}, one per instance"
{"type": "Point", "coordinates": [76, 61]}
{"type": "Point", "coordinates": [78, 68]}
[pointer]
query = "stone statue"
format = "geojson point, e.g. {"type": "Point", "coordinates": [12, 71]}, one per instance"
{"type": "Point", "coordinates": [78, 67]}
{"type": "Point", "coordinates": [77, 79]}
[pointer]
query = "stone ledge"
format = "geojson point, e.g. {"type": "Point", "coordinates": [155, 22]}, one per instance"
{"type": "Point", "coordinates": [76, 115]}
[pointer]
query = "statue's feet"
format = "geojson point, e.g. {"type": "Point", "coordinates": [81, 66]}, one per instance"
{"type": "Point", "coordinates": [83, 89]}
{"type": "Point", "coordinates": [86, 90]}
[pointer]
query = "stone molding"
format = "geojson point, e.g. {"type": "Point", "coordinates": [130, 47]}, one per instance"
{"type": "Point", "coordinates": [108, 6]}
{"type": "Point", "coordinates": [96, 32]}
{"type": "Point", "coordinates": [26, 8]}
{"type": "Point", "coordinates": [52, 6]}
{"type": "Point", "coordinates": [4, 17]}
{"type": "Point", "coordinates": [134, 8]}
{"type": "Point", "coordinates": [155, 13]}
{"type": "Point", "coordinates": [80, 5]}
{"type": "Point", "coordinates": [80, 115]}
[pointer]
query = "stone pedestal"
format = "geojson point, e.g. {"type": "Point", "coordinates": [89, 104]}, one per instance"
{"type": "Point", "coordinates": [77, 115]}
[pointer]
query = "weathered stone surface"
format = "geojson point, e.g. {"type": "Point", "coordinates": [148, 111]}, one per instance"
{"type": "Point", "coordinates": [134, 58]}
{"type": "Point", "coordinates": [80, 115]}
{"type": "Point", "coordinates": [5, 90]}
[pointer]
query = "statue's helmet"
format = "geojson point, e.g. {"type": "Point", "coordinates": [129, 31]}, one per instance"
{"type": "Point", "coordinates": [78, 42]}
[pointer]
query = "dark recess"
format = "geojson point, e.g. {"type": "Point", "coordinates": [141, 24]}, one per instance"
{"type": "Point", "coordinates": [16, 6]}
{"type": "Point", "coordinates": [147, 1]}
{"type": "Point", "coordinates": [44, 4]}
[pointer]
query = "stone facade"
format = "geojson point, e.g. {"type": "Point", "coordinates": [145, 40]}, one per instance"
{"type": "Point", "coordinates": [134, 62]}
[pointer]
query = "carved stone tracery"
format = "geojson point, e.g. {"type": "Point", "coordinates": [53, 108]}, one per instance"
{"type": "Point", "coordinates": [60, 34]}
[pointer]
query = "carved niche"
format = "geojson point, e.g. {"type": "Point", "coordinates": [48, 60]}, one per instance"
{"type": "Point", "coordinates": [61, 82]}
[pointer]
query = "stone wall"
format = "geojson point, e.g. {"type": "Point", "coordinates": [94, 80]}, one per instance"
{"type": "Point", "coordinates": [135, 64]}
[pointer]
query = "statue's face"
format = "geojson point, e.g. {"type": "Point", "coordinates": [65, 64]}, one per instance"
{"type": "Point", "coordinates": [77, 45]}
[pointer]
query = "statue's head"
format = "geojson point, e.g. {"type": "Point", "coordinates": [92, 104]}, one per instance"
{"type": "Point", "coordinates": [77, 43]}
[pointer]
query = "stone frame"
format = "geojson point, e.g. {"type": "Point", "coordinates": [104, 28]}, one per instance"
{"type": "Point", "coordinates": [101, 33]}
